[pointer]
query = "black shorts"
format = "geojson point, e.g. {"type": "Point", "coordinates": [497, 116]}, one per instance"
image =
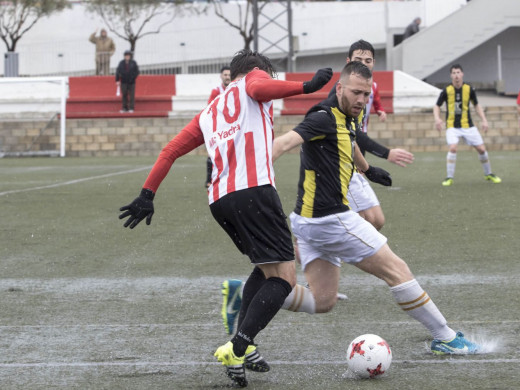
{"type": "Point", "coordinates": [255, 221]}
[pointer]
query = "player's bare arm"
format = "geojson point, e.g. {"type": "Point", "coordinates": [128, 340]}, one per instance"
{"type": "Point", "coordinates": [437, 116]}
{"type": "Point", "coordinates": [285, 143]}
{"type": "Point", "coordinates": [480, 112]}
{"type": "Point", "coordinates": [359, 160]}
{"type": "Point", "coordinates": [400, 157]}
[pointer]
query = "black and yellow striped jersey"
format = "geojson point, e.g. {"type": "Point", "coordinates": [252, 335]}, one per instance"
{"type": "Point", "coordinates": [326, 160]}
{"type": "Point", "coordinates": [457, 105]}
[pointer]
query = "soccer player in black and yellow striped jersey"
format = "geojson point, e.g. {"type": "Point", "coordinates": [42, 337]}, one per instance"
{"type": "Point", "coordinates": [362, 198]}
{"type": "Point", "coordinates": [459, 124]}
{"type": "Point", "coordinates": [329, 233]}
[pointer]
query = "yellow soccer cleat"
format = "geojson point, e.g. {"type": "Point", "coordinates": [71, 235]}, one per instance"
{"type": "Point", "coordinates": [447, 182]}
{"type": "Point", "coordinates": [493, 178]}
{"type": "Point", "coordinates": [234, 365]}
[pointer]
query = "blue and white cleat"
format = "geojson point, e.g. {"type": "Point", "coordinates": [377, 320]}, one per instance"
{"type": "Point", "coordinates": [458, 346]}
{"type": "Point", "coordinates": [231, 302]}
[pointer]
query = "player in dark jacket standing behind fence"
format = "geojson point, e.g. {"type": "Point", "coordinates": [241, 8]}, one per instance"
{"type": "Point", "coordinates": [126, 74]}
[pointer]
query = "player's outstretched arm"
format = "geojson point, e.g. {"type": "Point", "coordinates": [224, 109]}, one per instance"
{"type": "Point", "coordinates": [321, 78]}
{"type": "Point", "coordinates": [262, 88]}
{"type": "Point", "coordinates": [140, 208]}
{"type": "Point", "coordinates": [285, 143]}
{"type": "Point", "coordinates": [400, 157]}
{"type": "Point", "coordinates": [437, 117]}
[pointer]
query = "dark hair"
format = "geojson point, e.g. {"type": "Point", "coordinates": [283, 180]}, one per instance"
{"type": "Point", "coordinates": [246, 60]}
{"type": "Point", "coordinates": [356, 67]}
{"type": "Point", "coordinates": [456, 66]}
{"type": "Point", "coordinates": [360, 45]}
{"type": "Point", "coordinates": [224, 68]}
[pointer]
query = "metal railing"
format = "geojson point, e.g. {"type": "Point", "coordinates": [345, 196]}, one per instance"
{"type": "Point", "coordinates": [84, 64]}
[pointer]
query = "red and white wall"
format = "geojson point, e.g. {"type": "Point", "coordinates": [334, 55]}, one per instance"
{"type": "Point", "coordinates": [183, 95]}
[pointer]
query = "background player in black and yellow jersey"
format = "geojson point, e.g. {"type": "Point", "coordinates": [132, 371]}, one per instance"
{"type": "Point", "coordinates": [328, 233]}
{"type": "Point", "coordinates": [457, 97]}
{"type": "Point", "coordinates": [362, 198]}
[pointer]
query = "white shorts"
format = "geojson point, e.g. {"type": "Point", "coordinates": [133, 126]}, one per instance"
{"type": "Point", "coordinates": [471, 136]}
{"type": "Point", "coordinates": [360, 194]}
{"type": "Point", "coordinates": [336, 238]}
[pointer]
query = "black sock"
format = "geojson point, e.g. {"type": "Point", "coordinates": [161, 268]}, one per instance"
{"type": "Point", "coordinates": [263, 307]}
{"type": "Point", "coordinates": [253, 284]}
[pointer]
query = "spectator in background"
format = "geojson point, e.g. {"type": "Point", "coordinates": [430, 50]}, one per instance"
{"type": "Point", "coordinates": [126, 74]}
{"type": "Point", "coordinates": [412, 28]}
{"type": "Point", "coordinates": [225, 77]}
{"type": "Point", "coordinates": [105, 48]}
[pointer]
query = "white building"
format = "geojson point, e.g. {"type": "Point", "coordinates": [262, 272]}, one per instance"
{"type": "Point", "coordinates": [482, 35]}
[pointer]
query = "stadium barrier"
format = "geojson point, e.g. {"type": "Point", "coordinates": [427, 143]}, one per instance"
{"type": "Point", "coordinates": [180, 95]}
{"type": "Point", "coordinates": [147, 136]}
{"type": "Point", "coordinates": [164, 105]}
{"type": "Point", "coordinates": [95, 97]}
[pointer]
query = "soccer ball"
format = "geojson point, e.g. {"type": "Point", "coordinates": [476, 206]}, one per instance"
{"type": "Point", "coordinates": [369, 356]}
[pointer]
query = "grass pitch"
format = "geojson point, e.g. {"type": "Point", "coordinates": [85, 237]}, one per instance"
{"type": "Point", "coordinates": [87, 304]}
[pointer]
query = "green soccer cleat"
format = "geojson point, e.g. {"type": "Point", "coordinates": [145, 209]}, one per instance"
{"type": "Point", "coordinates": [254, 361]}
{"type": "Point", "coordinates": [447, 182]}
{"type": "Point", "coordinates": [458, 346]}
{"type": "Point", "coordinates": [231, 302]}
{"type": "Point", "coordinates": [493, 178]}
{"type": "Point", "coordinates": [234, 364]}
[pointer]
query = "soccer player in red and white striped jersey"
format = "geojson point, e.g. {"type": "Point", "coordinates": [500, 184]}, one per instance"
{"type": "Point", "coordinates": [225, 77]}
{"type": "Point", "coordinates": [237, 128]}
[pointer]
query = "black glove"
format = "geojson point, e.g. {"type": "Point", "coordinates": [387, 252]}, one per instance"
{"type": "Point", "coordinates": [378, 175]}
{"type": "Point", "coordinates": [321, 78]}
{"type": "Point", "coordinates": [139, 209]}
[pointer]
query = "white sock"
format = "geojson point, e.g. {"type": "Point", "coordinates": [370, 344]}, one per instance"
{"type": "Point", "coordinates": [451, 160]}
{"type": "Point", "coordinates": [486, 165]}
{"type": "Point", "coordinates": [300, 300]}
{"type": "Point", "coordinates": [414, 300]}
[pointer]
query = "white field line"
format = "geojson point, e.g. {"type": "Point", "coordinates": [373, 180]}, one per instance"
{"type": "Point", "coordinates": [280, 363]}
{"type": "Point", "coordinates": [212, 325]}
{"type": "Point", "coordinates": [75, 181]}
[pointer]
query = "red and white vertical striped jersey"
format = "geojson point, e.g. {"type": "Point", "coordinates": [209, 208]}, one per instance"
{"type": "Point", "coordinates": [238, 132]}
{"type": "Point", "coordinates": [237, 129]}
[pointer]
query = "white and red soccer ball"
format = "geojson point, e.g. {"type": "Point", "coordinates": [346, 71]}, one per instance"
{"type": "Point", "coordinates": [369, 356]}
